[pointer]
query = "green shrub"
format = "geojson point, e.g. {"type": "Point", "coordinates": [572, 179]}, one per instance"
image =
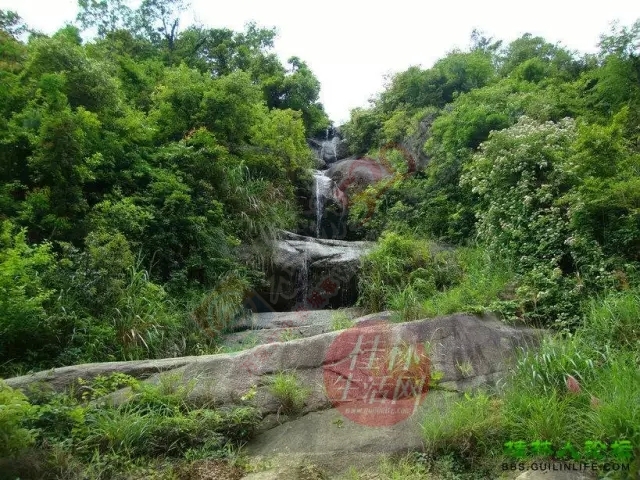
{"type": "Point", "coordinates": [152, 434]}
{"type": "Point", "coordinates": [469, 428]}
{"type": "Point", "coordinates": [156, 422]}
{"type": "Point", "coordinates": [174, 435]}
{"type": "Point", "coordinates": [23, 300]}
{"type": "Point", "coordinates": [400, 261]}
{"type": "Point", "coordinates": [341, 321]}
{"type": "Point", "coordinates": [168, 395]}
{"type": "Point", "coordinates": [238, 424]}
{"type": "Point", "coordinates": [485, 282]}
{"type": "Point", "coordinates": [220, 308]}
{"type": "Point", "coordinates": [405, 468]}
{"type": "Point", "coordinates": [59, 418]}
{"type": "Point", "coordinates": [122, 431]}
{"type": "Point", "coordinates": [406, 304]}
{"type": "Point", "coordinates": [613, 321]}
{"type": "Point", "coordinates": [291, 394]}
{"type": "Point", "coordinates": [15, 410]}
{"type": "Point", "coordinates": [105, 384]}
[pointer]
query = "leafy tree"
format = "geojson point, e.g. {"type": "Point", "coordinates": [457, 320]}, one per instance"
{"type": "Point", "coordinates": [159, 19]}
{"type": "Point", "coordinates": [230, 108]}
{"type": "Point", "coordinates": [105, 15]}
{"type": "Point", "coordinates": [363, 129]}
{"type": "Point", "coordinates": [15, 410]}
{"type": "Point", "coordinates": [605, 205]}
{"type": "Point", "coordinates": [299, 90]}
{"type": "Point", "coordinates": [12, 24]}
{"type": "Point", "coordinates": [121, 148]}
{"type": "Point", "coordinates": [84, 81]}
{"type": "Point", "coordinates": [522, 175]}
{"type": "Point", "coordinates": [561, 63]}
{"type": "Point", "coordinates": [480, 42]}
{"type": "Point", "coordinates": [222, 51]}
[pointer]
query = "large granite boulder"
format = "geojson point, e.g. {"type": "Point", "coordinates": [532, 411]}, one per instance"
{"type": "Point", "coordinates": [311, 273]}
{"type": "Point", "coordinates": [329, 151]}
{"type": "Point", "coordinates": [354, 175]}
{"type": "Point", "coordinates": [486, 345]}
{"type": "Point", "coordinates": [322, 432]}
{"type": "Point", "coordinates": [334, 444]}
{"type": "Point", "coordinates": [413, 144]}
{"type": "Point", "coordinates": [269, 327]}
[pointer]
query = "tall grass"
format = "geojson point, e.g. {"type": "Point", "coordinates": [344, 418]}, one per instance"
{"type": "Point", "coordinates": [340, 320]}
{"type": "Point", "coordinates": [576, 389]}
{"type": "Point", "coordinates": [614, 320]}
{"type": "Point", "coordinates": [471, 427]}
{"type": "Point", "coordinates": [402, 269]}
{"type": "Point", "coordinates": [289, 391]}
{"type": "Point", "coordinates": [485, 280]}
{"type": "Point", "coordinates": [144, 316]}
{"type": "Point", "coordinates": [75, 438]}
{"type": "Point", "coordinates": [221, 307]}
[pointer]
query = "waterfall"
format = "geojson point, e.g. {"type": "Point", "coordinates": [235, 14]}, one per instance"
{"type": "Point", "coordinates": [321, 192]}
{"type": "Point", "coordinates": [303, 281]}
{"type": "Point", "coordinates": [334, 142]}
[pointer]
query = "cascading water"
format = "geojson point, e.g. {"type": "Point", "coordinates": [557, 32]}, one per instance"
{"type": "Point", "coordinates": [334, 142]}
{"type": "Point", "coordinates": [303, 282]}
{"type": "Point", "coordinates": [321, 192]}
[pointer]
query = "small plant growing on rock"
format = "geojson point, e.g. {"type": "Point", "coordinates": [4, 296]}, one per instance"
{"type": "Point", "coordinates": [466, 369]}
{"type": "Point", "coordinates": [289, 334]}
{"type": "Point", "coordinates": [341, 321]}
{"type": "Point", "coordinates": [287, 388]}
{"type": "Point", "coordinates": [105, 384]}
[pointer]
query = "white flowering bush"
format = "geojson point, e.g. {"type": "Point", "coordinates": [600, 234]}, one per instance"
{"type": "Point", "coordinates": [523, 175]}
{"type": "Point", "coordinates": [520, 173]}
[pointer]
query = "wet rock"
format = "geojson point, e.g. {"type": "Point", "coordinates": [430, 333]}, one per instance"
{"type": "Point", "coordinates": [312, 274]}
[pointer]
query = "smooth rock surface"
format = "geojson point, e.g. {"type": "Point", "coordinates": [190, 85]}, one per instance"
{"type": "Point", "coordinates": [334, 443]}
{"type": "Point", "coordinates": [270, 327]}
{"type": "Point", "coordinates": [485, 345]}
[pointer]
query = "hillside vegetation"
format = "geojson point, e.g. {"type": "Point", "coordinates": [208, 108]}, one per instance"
{"type": "Point", "coordinates": [139, 165]}
{"type": "Point", "coordinates": [533, 184]}
{"type": "Point", "coordinates": [132, 167]}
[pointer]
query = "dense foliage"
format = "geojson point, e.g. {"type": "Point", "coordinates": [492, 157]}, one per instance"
{"type": "Point", "coordinates": [77, 435]}
{"type": "Point", "coordinates": [137, 170]}
{"type": "Point", "coordinates": [533, 183]}
{"type": "Point", "coordinates": [132, 167]}
{"type": "Point", "coordinates": [532, 151]}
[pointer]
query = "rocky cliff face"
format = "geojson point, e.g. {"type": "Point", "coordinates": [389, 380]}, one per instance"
{"type": "Point", "coordinates": [311, 273]}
